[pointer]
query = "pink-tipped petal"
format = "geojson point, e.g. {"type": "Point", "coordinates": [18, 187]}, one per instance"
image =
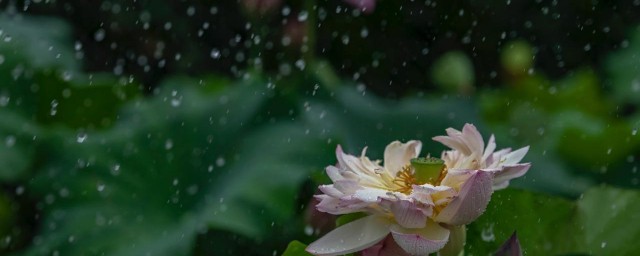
{"type": "Point", "coordinates": [421, 241]}
{"type": "Point", "coordinates": [491, 146]}
{"type": "Point", "coordinates": [397, 155]}
{"type": "Point", "coordinates": [408, 215]}
{"type": "Point", "coordinates": [473, 139]}
{"type": "Point", "coordinates": [515, 156]}
{"type": "Point", "coordinates": [351, 237]}
{"type": "Point", "coordinates": [471, 201]}
{"type": "Point", "coordinates": [502, 178]}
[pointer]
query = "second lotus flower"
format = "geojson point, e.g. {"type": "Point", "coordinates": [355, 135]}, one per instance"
{"type": "Point", "coordinates": [414, 205]}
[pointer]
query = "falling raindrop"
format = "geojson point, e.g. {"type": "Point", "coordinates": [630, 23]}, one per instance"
{"type": "Point", "coordinates": [81, 137]}
{"type": "Point", "coordinates": [487, 234]}
{"type": "Point", "coordinates": [220, 162]}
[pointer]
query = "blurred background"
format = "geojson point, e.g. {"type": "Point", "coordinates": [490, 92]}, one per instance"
{"type": "Point", "coordinates": [192, 127]}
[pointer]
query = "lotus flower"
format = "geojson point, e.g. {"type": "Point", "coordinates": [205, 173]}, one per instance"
{"type": "Point", "coordinates": [415, 203]}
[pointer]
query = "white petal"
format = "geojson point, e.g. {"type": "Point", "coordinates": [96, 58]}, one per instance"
{"type": "Point", "coordinates": [491, 146]}
{"type": "Point", "coordinates": [330, 190]}
{"type": "Point", "coordinates": [502, 178]}
{"type": "Point", "coordinates": [341, 205]}
{"type": "Point", "coordinates": [348, 187]}
{"type": "Point", "coordinates": [421, 241]}
{"type": "Point", "coordinates": [471, 201]}
{"type": "Point", "coordinates": [372, 195]}
{"type": "Point", "coordinates": [334, 173]}
{"type": "Point", "coordinates": [408, 214]}
{"type": "Point", "coordinates": [515, 156]}
{"type": "Point", "coordinates": [351, 237]}
{"type": "Point", "coordinates": [473, 139]}
{"type": "Point", "coordinates": [398, 155]}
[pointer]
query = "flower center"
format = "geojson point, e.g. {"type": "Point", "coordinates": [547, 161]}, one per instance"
{"type": "Point", "coordinates": [423, 170]}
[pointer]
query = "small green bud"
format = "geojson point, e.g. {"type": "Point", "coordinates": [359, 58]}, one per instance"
{"type": "Point", "coordinates": [427, 169]}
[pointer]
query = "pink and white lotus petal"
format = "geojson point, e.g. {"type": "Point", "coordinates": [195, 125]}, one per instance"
{"type": "Point", "coordinates": [421, 241]}
{"type": "Point", "coordinates": [397, 155]}
{"type": "Point", "coordinates": [515, 156]}
{"type": "Point", "coordinates": [468, 142]}
{"type": "Point", "coordinates": [408, 214]}
{"type": "Point", "coordinates": [472, 199]}
{"type": "Point", "coordinates": [502, 178]}
{"type": "Point", "coordinates": [352, 237]}
{"type": "Point", "coordinates": [341, 205]}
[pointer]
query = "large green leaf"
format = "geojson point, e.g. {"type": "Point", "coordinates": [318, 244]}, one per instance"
{"type": "Point", "coordinates": [172, 167]}
{"type": "Point", "coordinates": [40, 84]}
{"type": "Point", "coordinates": [604, 221]}
{"type": "Point", "coordinates": [623, 70]}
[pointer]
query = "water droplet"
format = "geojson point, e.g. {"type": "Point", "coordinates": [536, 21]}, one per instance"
{"type": "Point", "coordinates": [308, 230]}
{"type": "Point", "coordinates": [220, 161]}
{"type": "Point", "coordinates": [168, 144]}
{"type": "Point", "coordinates": [99, 35]}
{"type": "Point", "coordinates": [81, 137]}
{"type": "Point", "coordinates": [215, 53]}
{"type": "Point", "coordinates": [19, 190]}
{"type": "Point", "coordinates": [100, 187]}
{"type": "Point", "coordinates": [9, 141]}
{"type": "Point", "coordinates": [603, 245]}
{"type": "Point", "coordinates": [54, 107]}
{"type": "Point", "coordinates": [302, 16]}
{"type": "Point", "coordinates": [487, 234]}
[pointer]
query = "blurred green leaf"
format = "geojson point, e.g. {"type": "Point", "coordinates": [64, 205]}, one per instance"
{"type": "Point", "coordinates": [623, 70]}
{"type": "Point", "coordinates": [603, 221]}
{"type": "Point", "coordinates": [31, 42]}
{"type": "Point", "coordinates": [609, 220]}
{"type": "Point", "coordinates": [296, 248]}
{"type": "Point", "coordinates": [543, 224]}
{"type": "Point", "coordinates": [172, 167]}
{"type": "Point", "coordinates": [42, 85]}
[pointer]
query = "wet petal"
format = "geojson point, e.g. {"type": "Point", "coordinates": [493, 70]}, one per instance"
{"type": "Point", "coordinates": [372, 195]}
{"type": "Point", "coordinates": [334, 173]}
{"type": "Point", "coordinates": [473, 139]}
{"type": "Point", "coordinates": [515, 156]}
{"type": "Point", "coordinates": [421, 241]}
{"type": "Point", "coordinates": [502, 178]}
{"type": "Point", "coordinates": [351, 237]}
{"type": "Point", "coordinates": [471, 201]}
{"type": "Point", "coordinates": [341, 205]}
{"type": "Point", "coordinates": [408, 214]}
{"type": "Point", "coordinates": [491, 146]}
{"type": "Point", "coordinates": [398, 155]}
